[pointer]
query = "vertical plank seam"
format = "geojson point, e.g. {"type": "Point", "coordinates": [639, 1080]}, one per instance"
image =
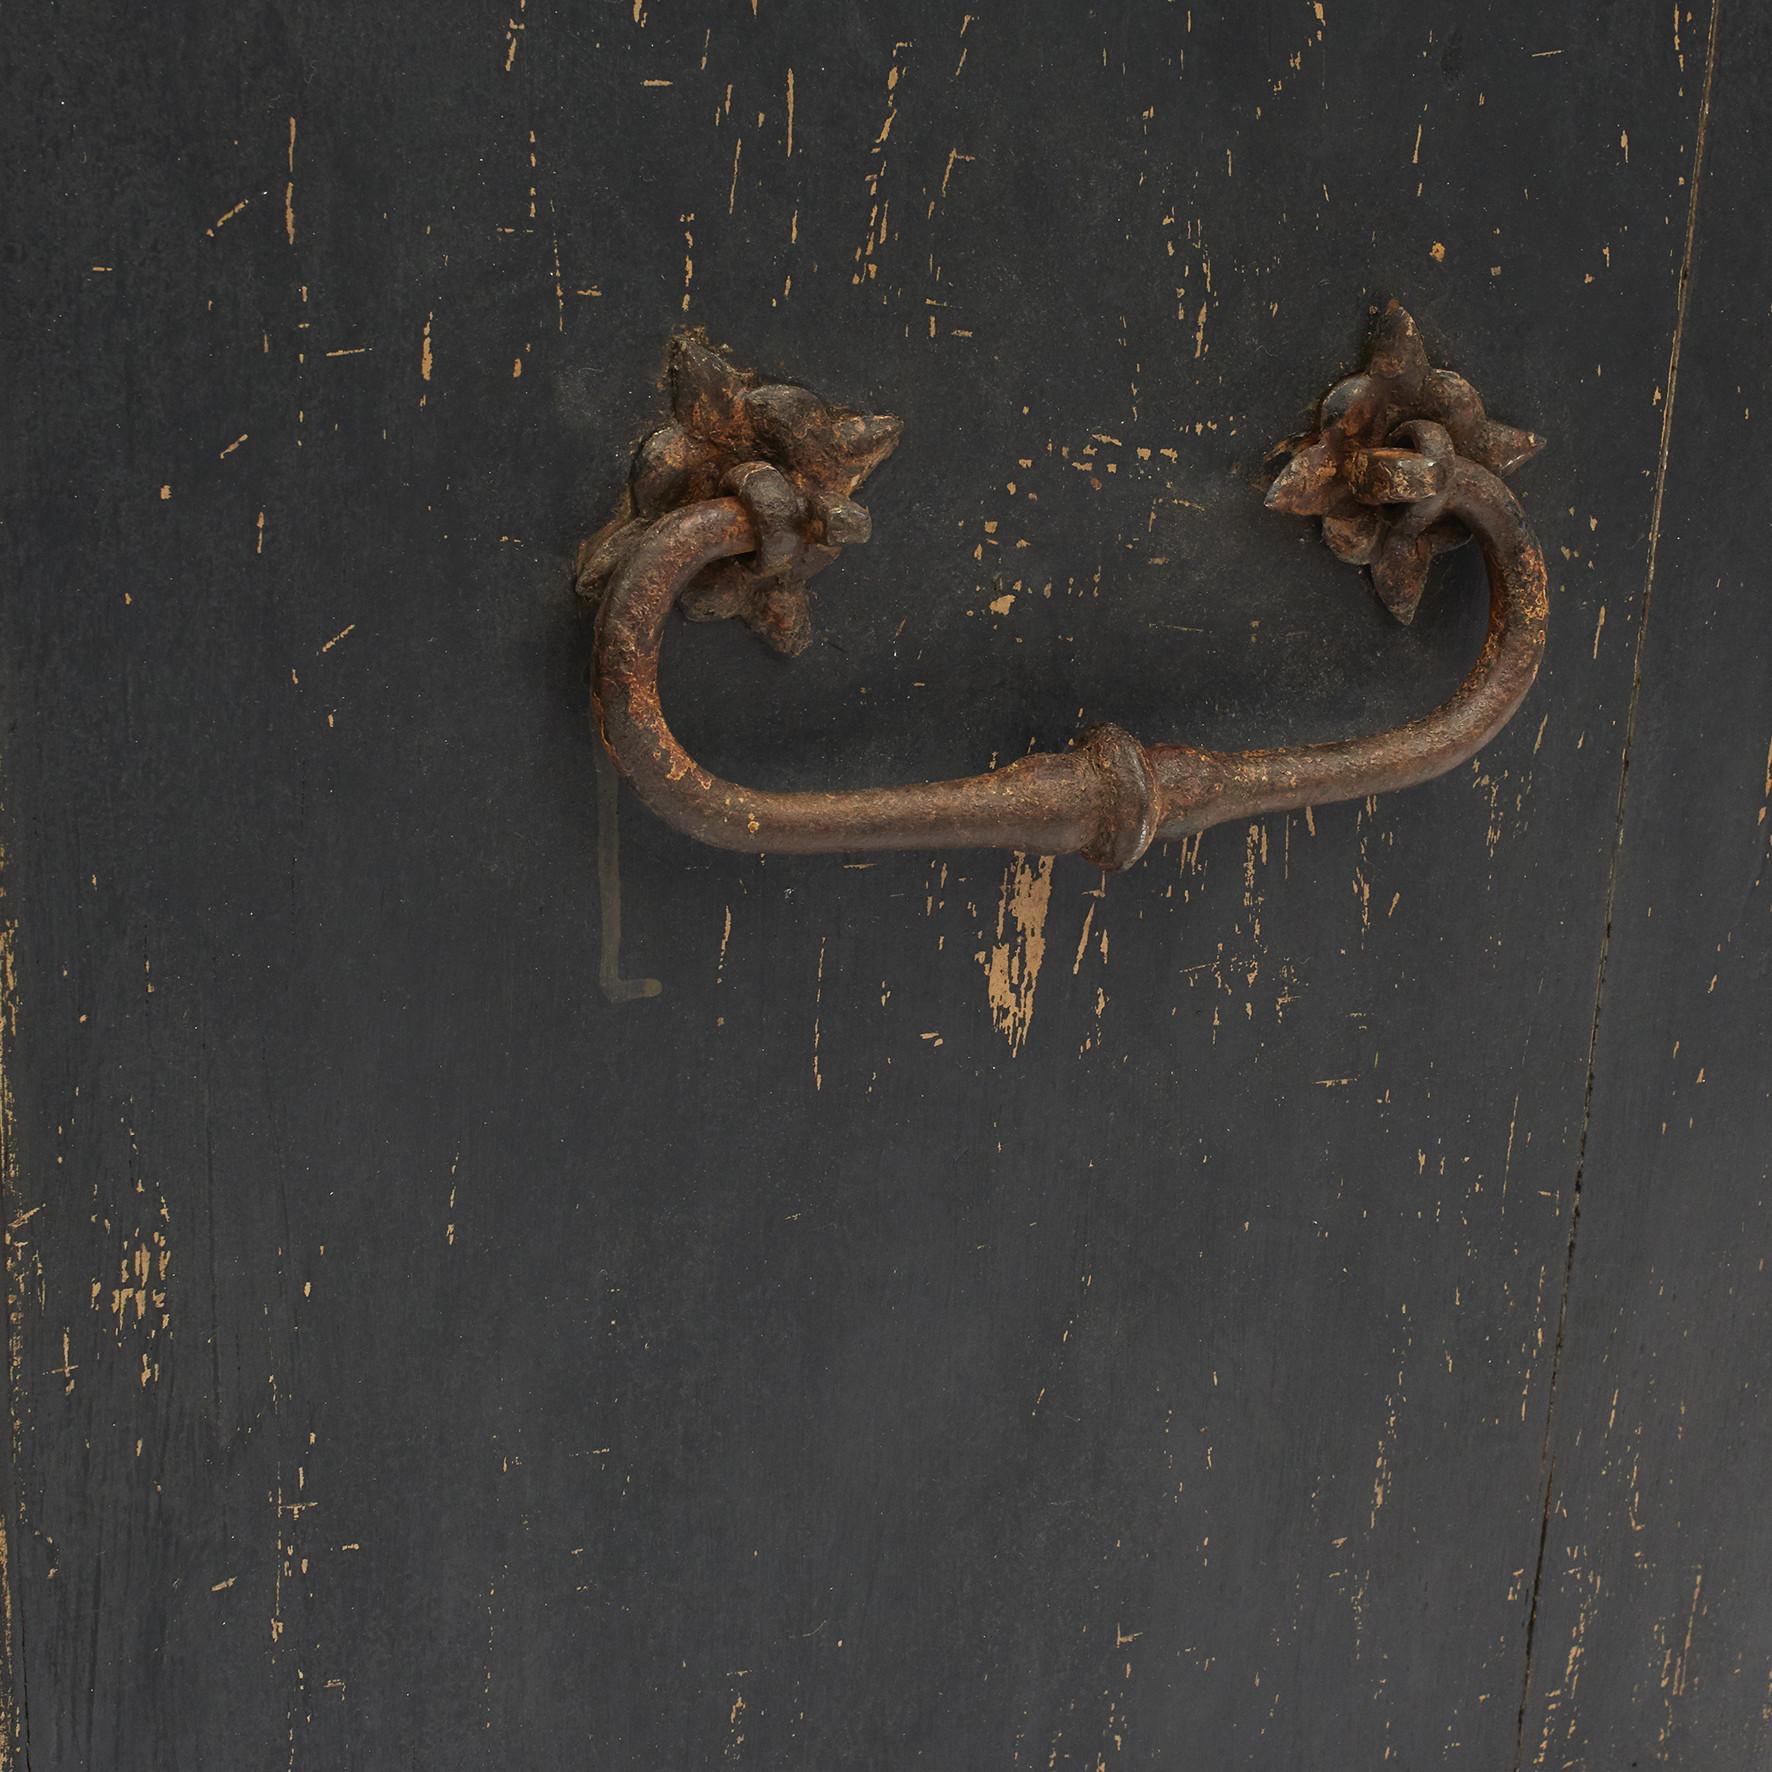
{"type": "Point", "coordinates": [1682, 294]}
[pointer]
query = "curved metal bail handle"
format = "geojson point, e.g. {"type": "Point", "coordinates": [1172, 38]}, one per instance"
{"type": "Point", "coordinates": [1208, 787]}
{"type": "Point", "coordinates": [1383, 504]}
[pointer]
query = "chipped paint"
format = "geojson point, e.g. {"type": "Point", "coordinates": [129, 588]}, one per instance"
{"type": "Point", "coordinates": [1012, 963]}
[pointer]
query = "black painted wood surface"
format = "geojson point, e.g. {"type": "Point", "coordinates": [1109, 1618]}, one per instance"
{"type": "Point", "coordinates": [1301, 1303]}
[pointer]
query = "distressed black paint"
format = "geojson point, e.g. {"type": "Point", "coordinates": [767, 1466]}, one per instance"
{"type": "Point", "coordinates": [965, 1318]}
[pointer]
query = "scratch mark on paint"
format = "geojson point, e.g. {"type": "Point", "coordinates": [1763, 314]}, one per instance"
{"type": "Point", "coordinates": [1676, 1664]}
{"type": "Point", "coordinates": [289, 190]}
{"type": "Point", "coordinates": [817, 1014]}
{"type": "Point", "coordinates": [879, 211]}
{"type": "Point", "coordinates": [1083, 939]}
{"type": "Point", "coordinates": [221, 221]}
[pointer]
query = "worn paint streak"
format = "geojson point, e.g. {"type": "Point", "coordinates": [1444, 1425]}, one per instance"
{"type": "Point", "coordinates": [1012, 963]}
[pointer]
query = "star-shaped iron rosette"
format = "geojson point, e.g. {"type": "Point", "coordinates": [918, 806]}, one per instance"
{"type": "Point", "coordinates": [1378, 465]}
{"type": "Point", "coordinates": [794, 461]}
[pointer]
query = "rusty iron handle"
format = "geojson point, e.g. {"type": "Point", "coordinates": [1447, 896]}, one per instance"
{"type": "Point", "coordinates": [733, 507]}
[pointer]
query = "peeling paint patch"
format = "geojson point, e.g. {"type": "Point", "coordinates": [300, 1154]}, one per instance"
{"type": "Point", "coordinates": [1012, 964]}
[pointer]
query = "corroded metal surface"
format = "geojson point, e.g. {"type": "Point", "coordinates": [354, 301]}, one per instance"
{"type": "Point", "coordinates": [733, 507]}
{"type": "Point", "coordinates": [793, 462]}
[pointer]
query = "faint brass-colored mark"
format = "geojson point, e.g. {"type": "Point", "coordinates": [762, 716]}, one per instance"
{"type": "Point", "coordinates": [616, 988]}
